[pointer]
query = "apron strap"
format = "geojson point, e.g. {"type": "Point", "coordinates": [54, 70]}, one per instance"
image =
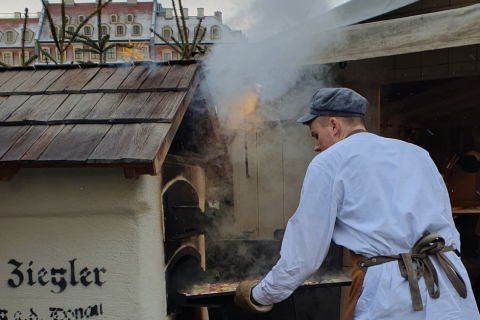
{"type": "Point", "coordinates": [428, 245]}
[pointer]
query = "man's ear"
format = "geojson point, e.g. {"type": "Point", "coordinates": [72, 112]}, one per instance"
{"type": "Point", "coordinates": [335, 125]}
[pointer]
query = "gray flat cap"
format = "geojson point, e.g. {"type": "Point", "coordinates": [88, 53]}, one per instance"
{"type": "Point", "coordinates": [336, 102]}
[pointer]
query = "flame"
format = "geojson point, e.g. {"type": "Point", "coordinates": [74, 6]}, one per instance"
{"type": "Point", "coordinates": [133, 54]}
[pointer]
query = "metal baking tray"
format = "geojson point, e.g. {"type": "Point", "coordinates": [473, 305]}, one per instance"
{"type": "Point", "coordinates": [221, 298]}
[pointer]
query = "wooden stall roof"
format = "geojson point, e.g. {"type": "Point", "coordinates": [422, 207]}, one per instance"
{"type": "Point", "coordinates": [110, 116]}
{"type": "Point", "coordinates": [445, 29]}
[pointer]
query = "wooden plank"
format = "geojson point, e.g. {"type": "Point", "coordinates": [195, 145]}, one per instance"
{"type": "Point", "coordinates": [168, 107]}
{"type": "Point", "coordinates": [37, 149]}
{"type": "Point", "coordinates": [8, 136]}
{"type": "Point", "coordinates": [12, 84]}
{"type": "Point", "coordinates": [24, 143]}
{"type": "Point", "coordinates": [114, 144]}
{"type": "Point", "coordinates": [11, 104]}
{"type": "Point", "coordinates": [445, 29]}
{"type": "Point", "coordinates": [295, 166]}
{"type": "Point", "coordinates": [130, 106]}
{"type": "Point", "coordinates": [47, 81]}
{"type": "Point", "coordinates": [270, 178]}
{"type": "Point", "coordinates": [151, 104]}
{"type": "Point", "coordinates": [155, 79]}
{"type": "Point", "coordinates": [24, 109]}
{"type": "Point", "coordinates": [98, 80]}
{"type": "Point", "coordinates": [59, 115]}
{"type": "Point", "coordinates": [2, 99]}
{"type": "Point", "coordinates": [75, 143]}
{"type": "Point", "coordinates": [7, 75]}
{"type": "Point", "coordinates": [83, 108]}
{"type": "Point", "coordinates": [187, 77]}
{"type": "Point", "coordinates": [115, 80]}
{"type": "Point", "coordinates": [135, 79]}
{"type": "Point", "coordinates": [31, 82]}
{"type": "Point", "coordinates": [173, 78]}
{"type": "Point", "coordinates": [38, 109]}
{"type": "Point", "coordinates": [81, 79]}
{"type": "Point", "coordinates": [146, 142]}
{"type": "Point", "coordinates": [105, 108]}
{"type": "Point", "coordinates": [63, 82]}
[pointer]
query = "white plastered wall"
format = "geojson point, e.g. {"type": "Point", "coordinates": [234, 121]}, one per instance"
{"type": "Point", "coordinates": [99, 218]}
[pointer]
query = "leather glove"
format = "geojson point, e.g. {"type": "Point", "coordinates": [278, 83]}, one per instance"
{"type": "Point", "coordinates": [243, 298]}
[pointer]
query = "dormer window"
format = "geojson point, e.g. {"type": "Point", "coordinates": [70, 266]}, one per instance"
{"type": "Point", "coordinates": [10, 37]}
{"type": "Point", "coordinates": [28, 35]}
{"type": "Point", "coordinates": [129, 18]}
{"type": "Point", "coordinates": [104, 29]}
{"type": "Point", "coordinates": [113, 18]}
{"type": "Point", "coordinates": [216, 33]}
{"type": "Point", "coordinates": [136, 30]}
{"type": "Point", "coordinates": [167, 33]}
{"type": "Point", "coordinates": [67, 18]}
{"type": "Point", "coordinates": [71, 29]}
{"type": "Point", "coordinates": [120, 30]}
{"type": "Point", "coordinates": [87, 31]}
{"type": "Point", "coordinates": [81, 18]}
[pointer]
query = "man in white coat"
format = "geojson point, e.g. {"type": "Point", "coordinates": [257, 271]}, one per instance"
{"type": "Point", "coordinates": [385, 201]}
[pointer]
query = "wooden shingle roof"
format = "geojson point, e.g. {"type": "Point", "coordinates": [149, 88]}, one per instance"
{"type": "Point", "coordinates": [121, 116]}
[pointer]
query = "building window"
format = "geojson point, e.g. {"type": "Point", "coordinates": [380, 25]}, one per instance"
{"type": "Point", "coordinates": [28, 35]}
{"type": "Point", "coordinates": [129, 18]}
{"type": "Point", "coordinates": [10, 37]}
{"type": "Point", "coordinates": [145, 52]}
{"type": "Point", "coordinates": [136, 30]}
{"type": "Point", "coordinates": [81, 18]}
{"type": "Point", "coordinates": [78, 54]}
{"type": "Point", "coordinates": [113, 18]}
{"type": "Point", "coordinates": [215, 33]}
{"type": "Point", "coordinates": [112, 53]}
{"type": "Point", "coordinates": [167, 55]}
{"type": "Point", "coordinates": [71, 29]}
{"type": "Point", "coordinates": [94, 56]}
{"type": "Point", "coordinates": [67, 18]}
{"type": "Point", "coordinates": [104, 30]}
{"type": "Point", "coordinates": [185, 33]}
{"type": "Point", "coordinates": [201, 34]}
{"type": "Point", "coordinates": [59, 55]}
{"type": "Point", "coordinates": [120, 30]}
{"type": "Point", "coordinates": [44, 56]}
{"type": "Point", "coordinates": [8, 58]}
{"type": "Point", "coordinates": [57, 32]}
{"type": "Point", "coordinates": [26, 55]}
{"type": "Point", "coordinates": [167, 33]}
{"type": "Point", "coordinates": [87, 31]}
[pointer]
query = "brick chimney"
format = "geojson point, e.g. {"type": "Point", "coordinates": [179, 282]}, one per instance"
{"type": "Point", "coordinates": [169, 13]}
{"type": "Point", "coordinates": [17, 15]}
{"type": "Point", "coordinates": [218, 15]}
{"type": "Point", "coordinates": [69, 3]}
{"type": "Point", "coordinates": [131, 2]}
{"type": "Point", "coordinates": [185, 13]}
{"type": "Point", "coordinates": [200, 13]}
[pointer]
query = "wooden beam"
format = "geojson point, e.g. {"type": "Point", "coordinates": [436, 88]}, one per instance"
{"type": "Point", "coordinates": [445, 29]}
{"type": "Point", "coordinates": [8, 171]}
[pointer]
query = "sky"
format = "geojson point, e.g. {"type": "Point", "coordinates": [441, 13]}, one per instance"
{"type": "Point", "coordinates": [229, 8]}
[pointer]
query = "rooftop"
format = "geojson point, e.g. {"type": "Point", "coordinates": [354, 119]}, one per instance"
{"type": "Point", "coordinates": [109, 116]}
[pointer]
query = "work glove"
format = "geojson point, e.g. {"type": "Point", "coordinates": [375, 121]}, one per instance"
{"type": "Point", "coordinates": [243, 298]}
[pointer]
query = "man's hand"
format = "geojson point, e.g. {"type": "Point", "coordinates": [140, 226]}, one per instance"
{"type": "Point", "coordinates": [243, 298]}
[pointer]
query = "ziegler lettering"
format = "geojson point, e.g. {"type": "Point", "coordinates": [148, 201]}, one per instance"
{"type": "Point", "coordinates": [57, 276]}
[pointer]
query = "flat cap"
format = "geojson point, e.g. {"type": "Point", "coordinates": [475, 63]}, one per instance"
{"type": "Point", "coordinates": [336, 102]}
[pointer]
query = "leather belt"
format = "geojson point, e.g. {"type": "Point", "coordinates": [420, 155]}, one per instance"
{"type": "Point", "coordinates": [428, 245]}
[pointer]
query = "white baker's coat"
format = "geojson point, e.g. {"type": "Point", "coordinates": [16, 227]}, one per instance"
{"type": "Point", "coordinates": [374, 196]}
